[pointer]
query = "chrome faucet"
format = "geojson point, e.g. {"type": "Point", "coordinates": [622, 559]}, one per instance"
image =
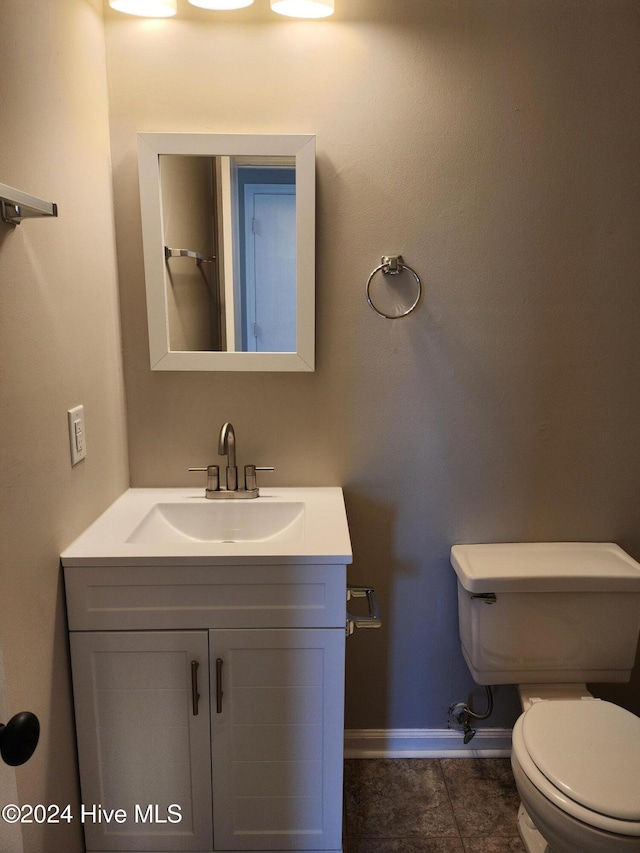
{"type": "Point", "coordinates": [215, 489]}
{"type": "Point", "coordinates": [227, 446]}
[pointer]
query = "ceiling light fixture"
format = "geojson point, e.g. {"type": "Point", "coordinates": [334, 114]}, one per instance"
{"type": "Point", "coordinates": [221, 4]}
{"type": "Point", "coordinates": [167, 8]}
{"type": "Point", "coordinates": [145, 8]}
{"type": "Point", "coordinates": [303, 8]}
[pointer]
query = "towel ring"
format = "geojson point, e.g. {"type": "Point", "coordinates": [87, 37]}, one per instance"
{"type": "Point", "coordinates": [393, 265]}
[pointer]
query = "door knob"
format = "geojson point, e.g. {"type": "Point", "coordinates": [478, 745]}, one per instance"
{"type": "Point", "coordinates": [19, 738]}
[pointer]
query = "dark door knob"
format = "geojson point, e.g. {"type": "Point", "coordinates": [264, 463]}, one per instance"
{"type": "Point", "coordinates": [19, 738]}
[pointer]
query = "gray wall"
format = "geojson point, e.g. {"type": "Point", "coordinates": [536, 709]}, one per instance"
{"type": "Point", "coordinates": [495, 145]}
{"type": "Point", "coordinates": [59, 346]}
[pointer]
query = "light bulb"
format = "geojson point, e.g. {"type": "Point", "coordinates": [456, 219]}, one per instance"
{"type": "Point", "coordinates": [221, 4]}
{"type": "Point", "coordinates": [145, 8]}
{"type": "Point", "coordinates": [303, 8]}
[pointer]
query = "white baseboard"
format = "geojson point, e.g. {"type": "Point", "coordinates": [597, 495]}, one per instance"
{"type": "Point", "coordinates": [426, 743]}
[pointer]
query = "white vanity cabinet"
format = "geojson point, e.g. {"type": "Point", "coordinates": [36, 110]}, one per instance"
{"type": "Point", "coordinates": [277, 732]}
{"type": "Point", "coordinates": [144, 753]}
{"type": "Point", "coordinates": [214, 693]}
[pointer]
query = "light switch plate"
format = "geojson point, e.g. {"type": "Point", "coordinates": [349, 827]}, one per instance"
{"type": "Point", "coordinates": [77, 439]}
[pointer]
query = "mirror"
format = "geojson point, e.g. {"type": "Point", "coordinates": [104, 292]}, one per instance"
{"type": "Point", "coordinates": [228, 229]}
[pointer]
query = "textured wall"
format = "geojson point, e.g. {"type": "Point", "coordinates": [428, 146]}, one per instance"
{"type": "Point", "coordinates": [59, 346]}
{"type": "Point", "coordinates": [10, 833]}
{"type": "Point", "coordinates": [494, 144]}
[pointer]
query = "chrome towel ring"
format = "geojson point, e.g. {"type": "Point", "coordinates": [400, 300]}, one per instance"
{"type": "Point", "coordinates": [393, 265]}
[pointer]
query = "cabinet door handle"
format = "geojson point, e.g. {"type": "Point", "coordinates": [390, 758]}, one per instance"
{"type": "Point", "coordinates": [194, 687]}
{"type": "Point", "coordinates": [219, 693]}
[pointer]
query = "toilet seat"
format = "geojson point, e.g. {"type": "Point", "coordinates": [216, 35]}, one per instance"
{"type": "Point", "coordinates": [582, 755]}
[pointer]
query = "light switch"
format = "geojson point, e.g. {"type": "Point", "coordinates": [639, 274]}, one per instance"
{"type": "Point", "coordinates": [77, 439]}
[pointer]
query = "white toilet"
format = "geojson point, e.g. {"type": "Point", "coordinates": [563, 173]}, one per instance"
{"type": "Point", "coordinates": [551, 617]}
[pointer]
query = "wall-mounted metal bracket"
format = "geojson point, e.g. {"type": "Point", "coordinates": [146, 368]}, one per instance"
{"type": "Point", "coordinates": [16, 206]}
{"type": "Point", "coordinates": [186, 253]}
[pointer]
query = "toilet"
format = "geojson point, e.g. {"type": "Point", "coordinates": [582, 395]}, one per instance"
{"type": "Point", "coordinates": [550, 618]}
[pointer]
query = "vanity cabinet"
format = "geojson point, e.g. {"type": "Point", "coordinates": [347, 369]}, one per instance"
{"type": "Point", "coordinates": [277, 732]}
{"type": "Point", "coordinates": [213, 694]}
{"type": "Point", "coordinates": [139, 742]}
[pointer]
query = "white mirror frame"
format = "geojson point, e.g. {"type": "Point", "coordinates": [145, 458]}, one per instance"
{"type": "Point", "coordinates": [303, 148]}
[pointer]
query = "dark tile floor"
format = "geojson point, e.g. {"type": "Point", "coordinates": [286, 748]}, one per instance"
{"type": "Point", "coordinates": [431, 805]}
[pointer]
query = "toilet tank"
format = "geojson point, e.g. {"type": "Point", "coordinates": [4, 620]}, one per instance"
{"type": "Point", "coordinates": [547, 612]}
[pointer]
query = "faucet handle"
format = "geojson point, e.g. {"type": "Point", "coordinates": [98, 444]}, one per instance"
{"type": "Point", "coordinates": [213, 478]}
{"type": "Point", "coordinates": [250, 481]}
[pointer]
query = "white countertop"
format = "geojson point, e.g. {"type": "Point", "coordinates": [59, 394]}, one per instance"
{"type": "Point", "coordinates": [321, 532]}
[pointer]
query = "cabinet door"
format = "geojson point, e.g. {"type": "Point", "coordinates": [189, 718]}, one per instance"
{"type": "Point", "coordinates": [142, 747]}
{"type": "Point", "coordinates": [277, 736]}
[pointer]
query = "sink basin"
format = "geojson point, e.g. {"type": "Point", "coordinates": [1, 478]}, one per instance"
{"type": "Point", "coordinates": [169, 527]}
{"type": "Point", "coordinates": [228, 522]}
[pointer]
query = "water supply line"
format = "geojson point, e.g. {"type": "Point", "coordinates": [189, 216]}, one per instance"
{"type": "Point", "coordinates": [461, 713]}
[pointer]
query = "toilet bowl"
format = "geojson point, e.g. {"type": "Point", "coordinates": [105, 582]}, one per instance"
{"type": "Point", "coordinates": [576, 763]}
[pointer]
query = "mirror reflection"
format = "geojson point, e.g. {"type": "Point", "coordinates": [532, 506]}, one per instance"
{"type": "Point", "coordinates": [229, 226]}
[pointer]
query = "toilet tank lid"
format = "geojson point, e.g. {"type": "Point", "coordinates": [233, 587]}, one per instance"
{"type": "Point", "coordinates": [545, 567]}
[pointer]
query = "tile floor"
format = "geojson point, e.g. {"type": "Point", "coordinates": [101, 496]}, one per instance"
{"type": "Point", "coordinates": [431, 805]}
